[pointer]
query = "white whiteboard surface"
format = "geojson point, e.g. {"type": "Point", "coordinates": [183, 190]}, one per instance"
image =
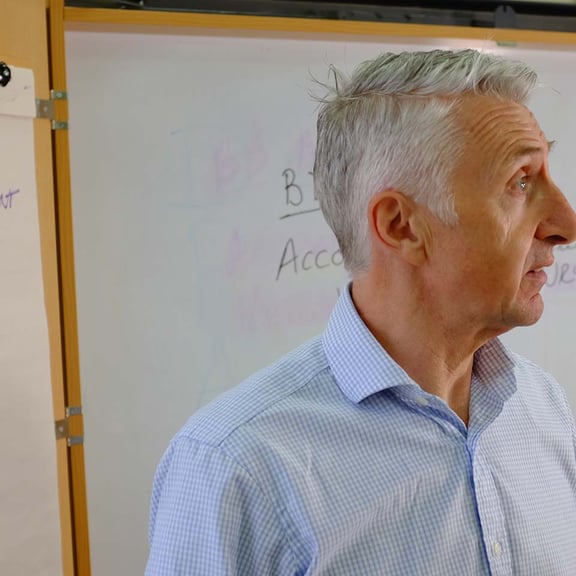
{"type": "Point", "coordinates": [180, 148]}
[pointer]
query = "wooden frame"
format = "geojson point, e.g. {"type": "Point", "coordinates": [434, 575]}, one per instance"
{"type": "Point", "coordinates": [127, 21]}
{"type": "Point", "coordinates": [172, 22]}
{"type": "Point", "coordinates": [69, 331]}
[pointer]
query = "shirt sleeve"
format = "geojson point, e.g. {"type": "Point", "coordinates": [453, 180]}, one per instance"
{"type": "Point", "coordinates": [208, 517]}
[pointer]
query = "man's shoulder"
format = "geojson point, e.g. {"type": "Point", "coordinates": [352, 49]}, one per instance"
{"type": "Point", "coordinates": [527, 370]}
{"type": "Point", "coordinates": [259, 393]}
{"type": "Point", "coordinates": [540, 390]}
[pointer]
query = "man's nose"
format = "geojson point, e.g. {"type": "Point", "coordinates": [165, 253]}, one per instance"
{"type": "Point", "coordinates": [559, 224]}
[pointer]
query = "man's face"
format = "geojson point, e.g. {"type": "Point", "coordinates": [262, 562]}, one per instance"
{"type": "Point", "coordinates": [510, 217]}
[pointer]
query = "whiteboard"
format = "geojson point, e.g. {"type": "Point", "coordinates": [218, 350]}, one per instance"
{"type": "Point", "coordinates": [200, 252]}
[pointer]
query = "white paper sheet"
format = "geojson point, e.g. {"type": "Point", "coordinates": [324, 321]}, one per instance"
{"type": "Point", "coordinates": [17, 97]}
{"type": "Point", "coordinates": [29, 514]}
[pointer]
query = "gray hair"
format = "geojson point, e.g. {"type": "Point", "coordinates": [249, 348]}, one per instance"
{"type": "Point", "coordinates": [390, 126]}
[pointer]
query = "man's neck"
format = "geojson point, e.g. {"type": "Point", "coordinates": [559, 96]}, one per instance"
{"type": "Point", "coordinates": [439, 358]}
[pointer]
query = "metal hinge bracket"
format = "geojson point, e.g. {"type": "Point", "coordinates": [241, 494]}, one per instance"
{"type": "Point", "coordinates": [62, 427]}
{"type": "Point", "coordinates": [45, 109]}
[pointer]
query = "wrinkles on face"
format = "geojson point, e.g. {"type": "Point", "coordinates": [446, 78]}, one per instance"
{"type": "Point", "coordinates": [501, 138]}
{"type": "Point", "coordinates": [501, 132]}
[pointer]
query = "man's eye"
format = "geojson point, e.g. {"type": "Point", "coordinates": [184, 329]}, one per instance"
{"type": "Point", "coordinates": [523, 183]}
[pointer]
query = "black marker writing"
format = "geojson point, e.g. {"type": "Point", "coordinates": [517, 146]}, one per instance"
{"type": "Point", "coordinates": [562, 274]}
{"type": "Point", "coordinates": [311, 259]}
{"type": "Point", "coordinates": [294, 196]}
{"type": "Point", "coordinates": [6, 199]}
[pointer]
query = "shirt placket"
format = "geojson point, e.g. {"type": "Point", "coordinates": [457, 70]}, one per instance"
{"type": "Point", "coordinates": [488, 505]}
{"type": "Point", "coordinates": [490, 511]}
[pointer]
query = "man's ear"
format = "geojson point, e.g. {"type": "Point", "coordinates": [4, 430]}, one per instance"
{"type": "Point", "coordinates": [397, 223]}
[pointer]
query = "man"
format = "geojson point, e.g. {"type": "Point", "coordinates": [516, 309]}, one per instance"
{"type": "Point", "coordinates": [406, 440]}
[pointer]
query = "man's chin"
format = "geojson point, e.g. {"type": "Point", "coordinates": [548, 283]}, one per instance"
{"type": "Point", "coordinates": [528, 313]}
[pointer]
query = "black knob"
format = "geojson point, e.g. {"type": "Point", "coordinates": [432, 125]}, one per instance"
{"type": "Point", "coordinates": [5, 74]}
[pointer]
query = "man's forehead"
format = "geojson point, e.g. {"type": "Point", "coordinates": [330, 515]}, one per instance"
{"type": "Point", "coordinates": [482, 112]}
{"type": "Point", "coordinates": [503, 127]}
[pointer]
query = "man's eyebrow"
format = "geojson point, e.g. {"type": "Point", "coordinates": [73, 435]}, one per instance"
{"type": "Point", "coordinates": [531, 150]}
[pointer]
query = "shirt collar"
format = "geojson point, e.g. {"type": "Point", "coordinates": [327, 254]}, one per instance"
{"type": "Point", "coordinates": [362, 367]}
{"type": "Point", "coordinates": [494, 366]}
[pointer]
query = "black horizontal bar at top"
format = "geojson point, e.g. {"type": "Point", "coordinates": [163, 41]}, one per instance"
{"type": "Point", "coordinates": [545, 16]}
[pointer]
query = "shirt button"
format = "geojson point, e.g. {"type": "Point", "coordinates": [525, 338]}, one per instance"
{"type": "Point", "coordinates": [422, 401]}
{"type": "Point", "coordinates": [497, 549]}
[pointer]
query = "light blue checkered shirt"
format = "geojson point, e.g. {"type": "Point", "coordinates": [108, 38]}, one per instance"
{"type": "Point", "coordinates": [334, 462]}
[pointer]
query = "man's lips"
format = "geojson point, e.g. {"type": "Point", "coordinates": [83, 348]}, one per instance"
{"type": "Point", "coordinates": [537, 271]}
{"type": "Point", "coordinates": [539, 275]}
{"type": "Point", "coordinates": [539, 266]}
